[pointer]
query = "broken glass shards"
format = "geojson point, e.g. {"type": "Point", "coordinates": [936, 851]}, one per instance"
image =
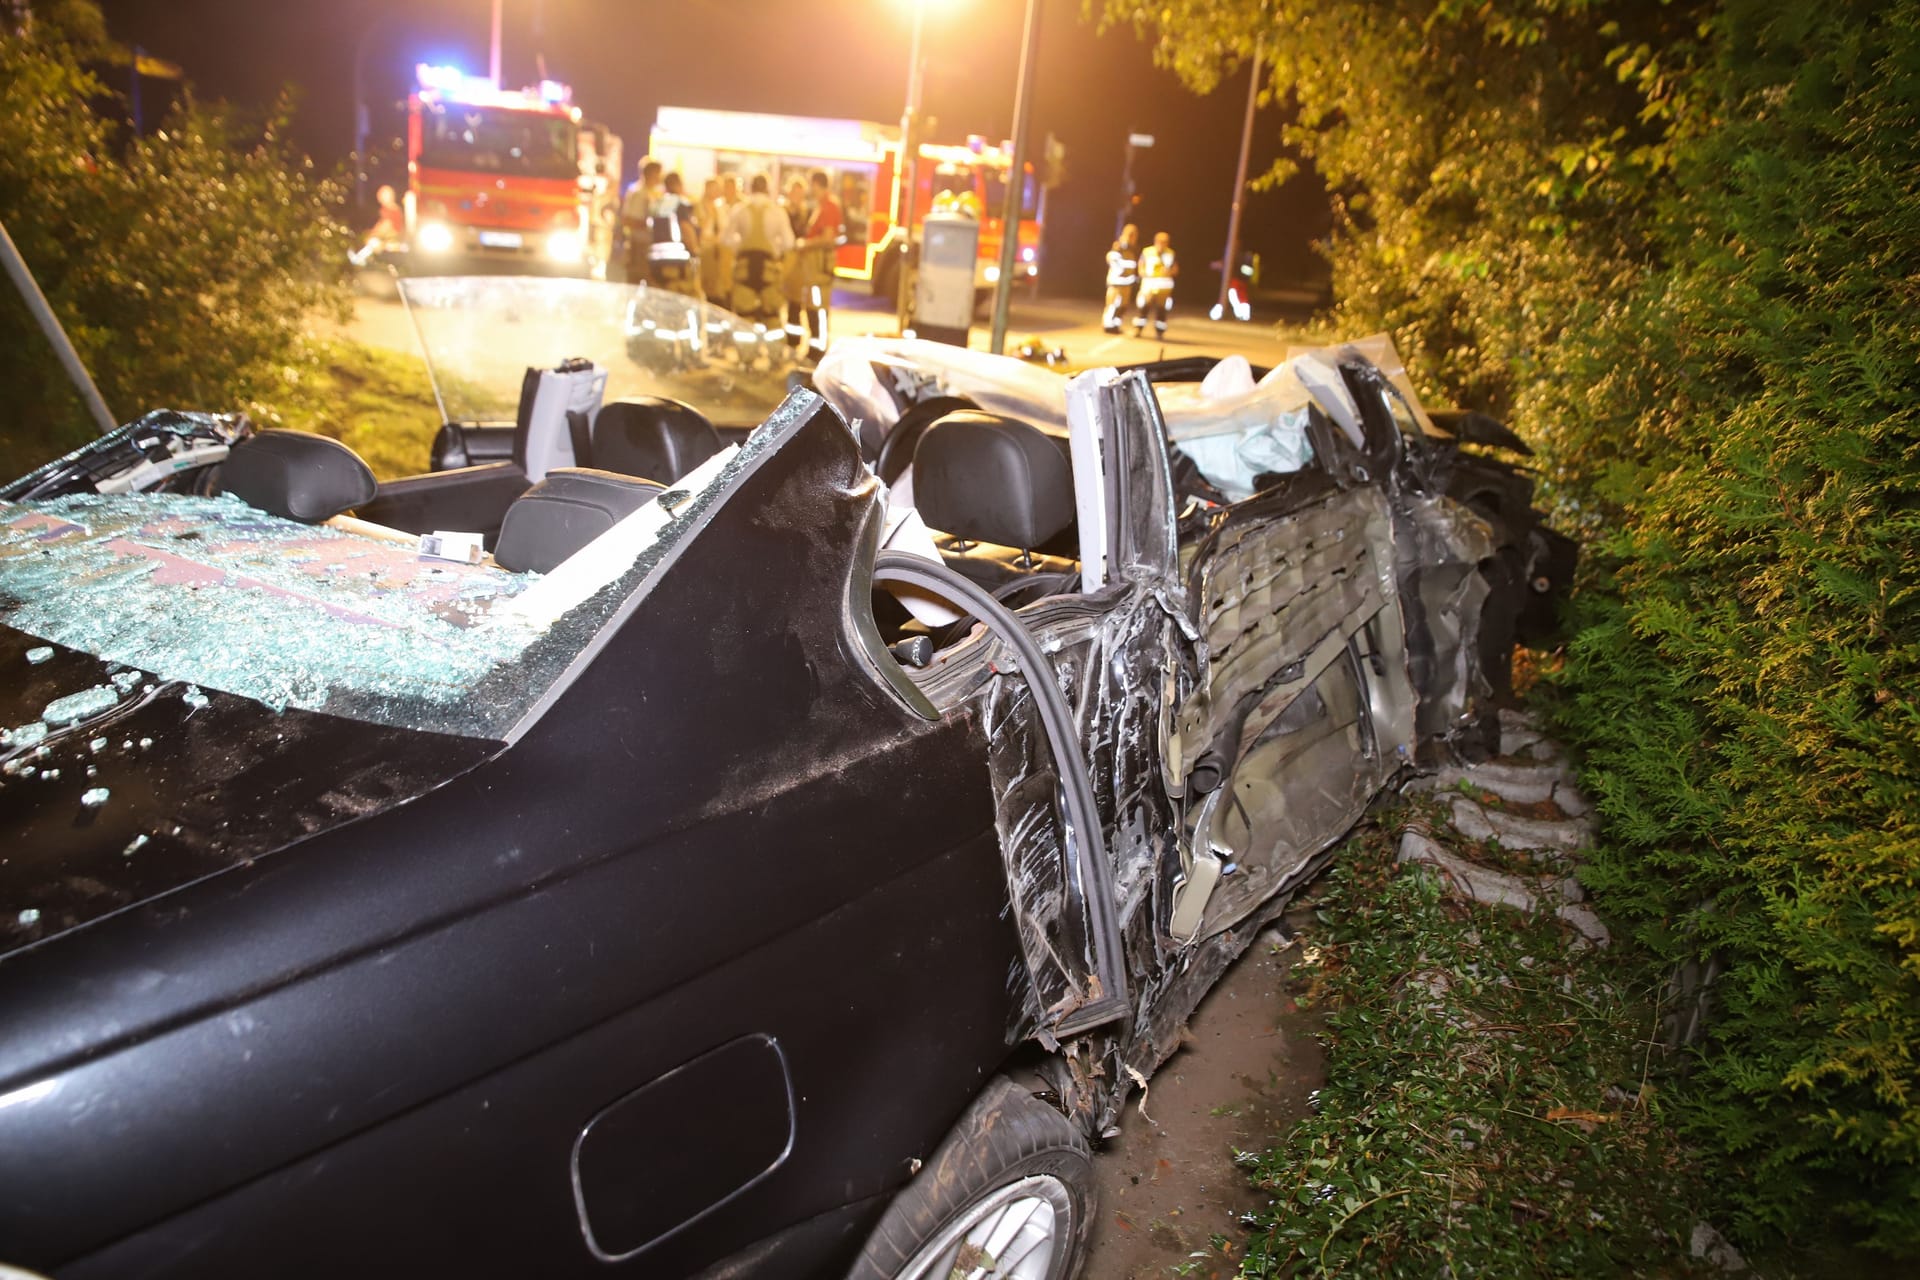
{"type": "Point", "coordinates": [209, 593]}
{"type": "Point", "coordinates": [25, 735]}
{"type": "Point", "coordinates": [212, 592]}
{"type": "Point", "coordinates": [76, 707]}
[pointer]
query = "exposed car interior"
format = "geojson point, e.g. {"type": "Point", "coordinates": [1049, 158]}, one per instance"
{"type": "Point", "coordinates": [648, 438]}
{"type": "Point", "coordinates": [998, 495]}
{"type": "Point", "coordinates": [629, 452]}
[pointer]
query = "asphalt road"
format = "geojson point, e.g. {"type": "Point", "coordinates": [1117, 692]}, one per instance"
{"type": "Point", "coordinates": [1071, 325]}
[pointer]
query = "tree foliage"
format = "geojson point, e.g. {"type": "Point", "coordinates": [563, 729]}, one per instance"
{"type": "Point", "coordinates": [1463, 144]}
{"type": "Point", "coordinates": [185, 264]}
{"type": "Point", "coordinates": [1679, 244]}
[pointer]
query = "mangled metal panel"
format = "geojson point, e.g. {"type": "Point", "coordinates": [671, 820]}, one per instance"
{"type": "Point", "coordinates": [1438, 549]}
{"type": "Point", "coordinates": [1245, 678]}
{"type": "Point", "coordinates": [873, 379]}
{"type": "Point", "coordinates": [1305, 707]}
{"type": "Point", "coordinates": [1106, 652]}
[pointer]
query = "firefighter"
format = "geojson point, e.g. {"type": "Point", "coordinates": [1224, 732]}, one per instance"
{"type": "Point", "coordinates": [799, 218]}
{"type": "Point", "coordinates": [635, 211]}
{"type": "Point", "coordinates": [390, 228]}
{"type": "Point", "coordinates": [1123, 277]}
{"type": "Point", "coordinates": [760, 237]}
{"type": "Point", "coordinates": [826, 230]}
{"type": "Point", "coordinates": [716, 266]}
{"type": "Point", "coordinates": [673, 249]}
{"type": "Point", "coordinates": [1158, 267]}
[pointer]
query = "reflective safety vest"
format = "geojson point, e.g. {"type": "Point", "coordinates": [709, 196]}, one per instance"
{"type": "Point", "coordinates": [754, 215]}
{"type": "Point", "coordinates": [1156, 265]}
{"type": "Point", "coordinates": [1123, 266]}
{"type": "Point", "coordinates": [663, 222]}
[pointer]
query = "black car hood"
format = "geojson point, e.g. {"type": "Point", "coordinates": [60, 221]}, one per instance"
{"type": "Point", "coordinates": [117, 788]}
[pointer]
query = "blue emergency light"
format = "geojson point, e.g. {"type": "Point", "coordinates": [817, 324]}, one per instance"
{"type": "Point", "coordinates": [447, 79]}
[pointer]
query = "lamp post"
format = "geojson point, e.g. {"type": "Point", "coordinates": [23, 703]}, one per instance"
{"type": "Point", "coordinates": [1230, 263]}
{"type": "Point", "coordinates": [1135, 142]}
{"type": "Point", "coordinates": [909, 165]}
{"type": "Point", "coordinates": [493, 49]}
{"type": "Point", "coordinates": [1011, 208]}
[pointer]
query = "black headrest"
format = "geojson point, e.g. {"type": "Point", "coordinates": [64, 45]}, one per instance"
{"type": "Point", "coordinates": [652, 436]}
{"type": "Point", "coordinates": [987, 478]}
{"type": "Point", "coordinates": [297, 474]}
{"type": "Point", "coordinates": [565, 511]}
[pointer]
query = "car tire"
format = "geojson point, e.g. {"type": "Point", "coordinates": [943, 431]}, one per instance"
{"type": "Point", "coordinates": [1013, 1168]}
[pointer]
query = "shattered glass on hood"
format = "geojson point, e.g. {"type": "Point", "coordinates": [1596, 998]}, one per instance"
{"type": "Point", "coordinates": [210, 591]}
{"type": "Point", "coordinates": [213, 593]}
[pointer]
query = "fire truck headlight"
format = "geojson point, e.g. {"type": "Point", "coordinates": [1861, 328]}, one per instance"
{"type": "Point", "coordinates": [993, 275]}
{"type": "Point", "coordinates": [565, 246]}
{"type": "Point", "coordinates": [1026, 253]}
{"type": "Point", "coordinates": [434, 237]}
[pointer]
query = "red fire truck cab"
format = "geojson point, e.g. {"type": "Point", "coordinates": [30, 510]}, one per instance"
{"type": "Point", "coordinates": [506, 180]}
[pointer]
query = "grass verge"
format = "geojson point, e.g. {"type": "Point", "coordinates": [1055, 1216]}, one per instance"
{"type": "Point", "coordinates": [378, 403]}
{"type": "Point", "coordinates": [1488, 1108]}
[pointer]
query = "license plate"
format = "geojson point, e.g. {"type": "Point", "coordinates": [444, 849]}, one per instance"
{"type": "Point", "coordinates": [501, 239]}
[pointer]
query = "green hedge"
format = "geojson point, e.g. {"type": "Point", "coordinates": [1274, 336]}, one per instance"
{"type": "Point", "coordinates": [1746, 682]}
{"type": "Point", "coordinates": [185, 263]}
{"type": "Point", "coordinates": [1678, 242]}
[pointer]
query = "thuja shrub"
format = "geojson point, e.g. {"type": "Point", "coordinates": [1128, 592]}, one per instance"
{"type": "Point", "coordinates": [1745, 683]}
{"type": "Point", "coordinates": [1678, 242]}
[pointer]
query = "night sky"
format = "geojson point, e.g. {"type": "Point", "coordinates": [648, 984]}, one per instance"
{"type": "Point", "coordinates": [624, 58]}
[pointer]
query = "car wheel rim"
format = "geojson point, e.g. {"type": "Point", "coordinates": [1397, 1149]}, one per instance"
{"type": "Point", "coordinates": [1015, 1233]}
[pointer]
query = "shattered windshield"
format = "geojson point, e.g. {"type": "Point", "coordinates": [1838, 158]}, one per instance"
{"type": "Point", "coordinates": [211, 593]}
{"type": "Point", "coordinates": [482, 333]}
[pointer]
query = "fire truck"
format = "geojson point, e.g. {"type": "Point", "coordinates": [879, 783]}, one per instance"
{"type": "Point", "coordinates": [862, 160]}
{"type": "Point", "coordinates": [506, 180]}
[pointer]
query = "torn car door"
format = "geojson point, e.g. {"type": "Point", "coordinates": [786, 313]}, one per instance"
{"type": "Point", "coordinates": [1440, 547]}
{"type": "Point", "coordinates": [1106, 650]}
{"type": "Point", "coordinates": [1305, 706]}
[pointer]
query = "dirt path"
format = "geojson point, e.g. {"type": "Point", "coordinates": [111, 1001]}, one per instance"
{"type": "Point", "coordinates": [1168, 1187]}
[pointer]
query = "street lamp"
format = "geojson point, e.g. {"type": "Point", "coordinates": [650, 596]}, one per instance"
{"type": "Point", "coordinates": [909, 162]}
{"type": "Point", "coordinates": [1230, 264]}
{"type": "Point", "coordinates": [493, 49]}
{"type": "Point", "coordinates": [1011, 209]}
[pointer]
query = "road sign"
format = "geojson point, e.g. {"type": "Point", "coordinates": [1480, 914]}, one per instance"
{"type": "Point", "coordinates": [1139, 139]}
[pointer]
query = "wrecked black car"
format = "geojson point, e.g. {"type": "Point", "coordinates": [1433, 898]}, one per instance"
{"type": "Point", "coordinates": [783, 868]}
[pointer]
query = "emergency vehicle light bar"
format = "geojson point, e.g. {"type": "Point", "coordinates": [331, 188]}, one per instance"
{"type": "Point", "coordinates": [452, 85]}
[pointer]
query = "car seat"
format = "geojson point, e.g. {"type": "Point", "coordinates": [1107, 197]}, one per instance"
{"type": "Point", "coordinates": [1000, 489]}
{"type": "Point", "coordinates": [296, 474]}
{"type": "Point", "coordinates": [563, 513]}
